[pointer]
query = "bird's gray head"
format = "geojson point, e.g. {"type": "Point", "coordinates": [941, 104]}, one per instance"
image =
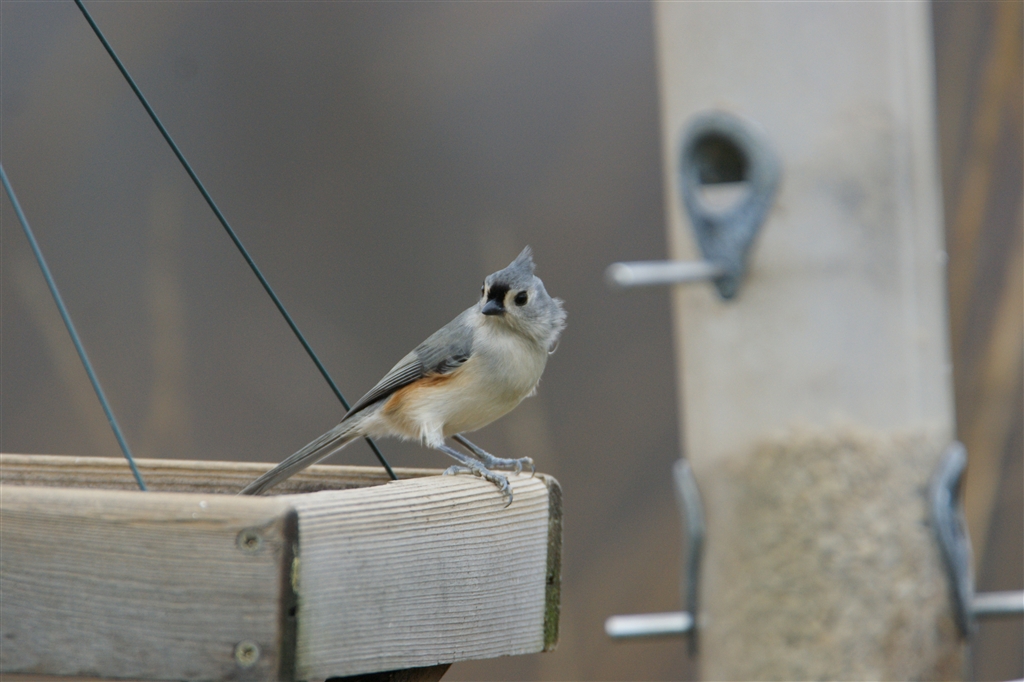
{"type": "Point", "coordinates": [518, 298]}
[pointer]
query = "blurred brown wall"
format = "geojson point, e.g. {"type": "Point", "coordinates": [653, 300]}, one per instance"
{"type": "Point", "coordinates": [980, 112]}
{"type": "Point", "coordinates": [379, 160]}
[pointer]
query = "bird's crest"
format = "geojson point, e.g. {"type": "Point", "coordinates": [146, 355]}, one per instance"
{"type": "Point", "coordinates": [523, 264]}
{"type": "Point", "coordinates": [518, 273]}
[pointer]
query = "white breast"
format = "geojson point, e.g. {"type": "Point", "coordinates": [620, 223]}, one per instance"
{"type": "Point", "coordinates": [504, 368]}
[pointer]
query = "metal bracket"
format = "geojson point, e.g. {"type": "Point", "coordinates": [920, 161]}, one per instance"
{"type": "Point", "coordinates": [947, 517]}
{"type": "Point", "coordinates": [691, 509]}
{"type": "Point", "coordinates": [719, 151]}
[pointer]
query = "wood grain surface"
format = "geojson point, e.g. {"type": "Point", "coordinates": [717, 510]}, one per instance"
{"type": "Point", "coordinates": [362, 579]}
{"type": "Point", "coordinates": [393, 578]}
{"type": "Point", "coordinates": [174, 475]}
{"type": "Point", "coordinates": [142, 585]}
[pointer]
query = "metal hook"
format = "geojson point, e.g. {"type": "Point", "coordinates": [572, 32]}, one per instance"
{"type": "Point", "coordinates": [947, 515]}
{"type": "Point", "coordinates": [951, 532]}
{"type": "Point", "coordinates": [691, 509]}
{"type": "Point", "coordinates": [717, 148]}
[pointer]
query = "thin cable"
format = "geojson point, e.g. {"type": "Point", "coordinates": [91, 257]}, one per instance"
{"type": "Point", "coordinates": [227, 228]}
{"type": "Point", "coordinates": [71, 328]}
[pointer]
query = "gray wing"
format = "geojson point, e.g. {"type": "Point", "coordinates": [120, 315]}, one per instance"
{"type": "Point", "coordinates": [408, 370]}
{"type": "Point", "coordinates": [444, 351]}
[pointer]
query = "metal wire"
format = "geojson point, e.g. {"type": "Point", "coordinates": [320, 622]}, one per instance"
{"type": "Point", "coordinates": [231, 233]}
{"type": "Point", "coordinates": [71, 327]}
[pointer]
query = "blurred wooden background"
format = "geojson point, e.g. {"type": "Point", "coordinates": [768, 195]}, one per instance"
{"type": "Point", "coordinates": [980, 113]}
{"type": "Point", "coordinates": [379, 160]}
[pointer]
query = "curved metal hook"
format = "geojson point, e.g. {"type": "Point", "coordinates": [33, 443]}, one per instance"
{"type": "Point", "coordinates": [692, 508]}
{"type": "Point", "coordinates": [719, 147]}
{"type": "Point", "coordinates": [951, 532]}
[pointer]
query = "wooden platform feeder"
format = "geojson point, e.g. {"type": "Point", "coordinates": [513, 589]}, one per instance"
{"type": "Point", "coordinates": [341, 573]}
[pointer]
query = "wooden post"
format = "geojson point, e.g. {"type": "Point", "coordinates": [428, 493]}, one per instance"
{"type": "Point", "coordinates": [816, 404]}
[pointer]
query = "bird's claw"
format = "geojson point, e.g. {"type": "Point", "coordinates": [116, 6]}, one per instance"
{"type": "Point", "coordinates": [455, 469]}
{"type": "Point", "coordinates": [519, 463]}
{"type": "Point", "coordinates": [511, 464]}
{"type": "Point", "coordinates": [491, 462]}
{"type": "Point", "coordinates": [499, 481]}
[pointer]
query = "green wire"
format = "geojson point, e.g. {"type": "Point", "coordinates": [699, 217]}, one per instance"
{"type": "Point", "coordinates": [71, 327]}
{"type": "Point", "coordinates": [227, 228]}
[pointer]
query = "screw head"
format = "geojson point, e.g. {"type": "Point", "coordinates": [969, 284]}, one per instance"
{"type": "Point", "coordinates": [247, 653]}
{"type": "Point", "coordinates": [249, 540]}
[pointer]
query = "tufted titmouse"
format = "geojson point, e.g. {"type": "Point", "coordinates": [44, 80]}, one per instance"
{"type": "Point", "coordinates": [474, 369]}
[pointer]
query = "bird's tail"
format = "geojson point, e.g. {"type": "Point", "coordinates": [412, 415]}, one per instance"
{"type": "Point", "coordinates": [324, 446]}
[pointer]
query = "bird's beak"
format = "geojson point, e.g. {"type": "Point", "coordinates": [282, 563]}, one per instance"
{"type": "Point", "coordinates": [493, 307]}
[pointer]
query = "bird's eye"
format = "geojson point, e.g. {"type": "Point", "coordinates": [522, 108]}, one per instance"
{"type": "Point", "coordinates": [483, 289]}
{"type": "Point", "coordinates": [520, 298]}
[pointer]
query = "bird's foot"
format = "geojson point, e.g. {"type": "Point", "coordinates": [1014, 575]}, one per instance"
{"type": "Point", "coordinates": [517, 465]}
{"type": "Point", "coordinates": [492, 462]}
{"type": "Point", "coordinates": [477, 469]}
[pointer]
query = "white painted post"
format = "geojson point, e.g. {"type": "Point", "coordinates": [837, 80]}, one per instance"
{"type": "Point", "coordinates": [816, 404]}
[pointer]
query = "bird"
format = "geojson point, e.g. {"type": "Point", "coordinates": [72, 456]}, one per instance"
{"type": "Point", "coordinates": [467, 374]}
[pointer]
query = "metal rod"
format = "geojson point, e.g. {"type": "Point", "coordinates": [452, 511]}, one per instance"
{"type": "Point", "coordinates": [71, 328]}
{"type": "Point", "coordinates": [227, 228]}
{"type": "Point", "coordinates": [692, 509]}
{"type": "Point", "coordinates": [654, 273]}
{"type": "Point", "coordinates": [996, 604]}
{"type": "Point", "coordinates": [649, 625]}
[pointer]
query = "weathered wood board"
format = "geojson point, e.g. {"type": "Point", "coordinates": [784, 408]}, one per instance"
{"type": "Point", "coordinates": [189, 581]}
{"type": "Point", "coordinates": [183, 476]}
